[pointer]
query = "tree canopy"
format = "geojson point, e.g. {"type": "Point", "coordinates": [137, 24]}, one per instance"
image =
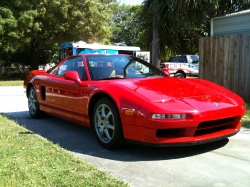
{"type": "Point", "coordinates": [126, 24]}
{"type": "Point", "coordinates": [180, 24]}
{"type": "Point", "coordinates": [34, 27]}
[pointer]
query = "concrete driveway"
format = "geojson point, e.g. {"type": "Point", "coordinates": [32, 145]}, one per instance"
{"type": "Point", "coordinates": [224, 163]}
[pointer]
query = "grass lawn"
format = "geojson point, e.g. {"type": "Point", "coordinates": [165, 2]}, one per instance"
{"type": "Point", "coordinates": [11, 83]}
{"type": "Point", "coordinates": [246, 118]}
{"type": "Point", "coordinates": [27, 159]}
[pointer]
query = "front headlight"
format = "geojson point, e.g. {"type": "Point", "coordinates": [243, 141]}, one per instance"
{"type": "Point", "coordinates": [169, 116]}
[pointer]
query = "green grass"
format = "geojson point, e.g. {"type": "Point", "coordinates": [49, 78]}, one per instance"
{"type": "Point", "coordinates": [11, 83]}
{"type": "Point", "coordinates": [246, 118]}
{"type": "Point", "coordinates": [27, 159]}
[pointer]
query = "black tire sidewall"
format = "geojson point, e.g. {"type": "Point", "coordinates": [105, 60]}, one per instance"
{"type": "Point", "coordinates": [177, 75]}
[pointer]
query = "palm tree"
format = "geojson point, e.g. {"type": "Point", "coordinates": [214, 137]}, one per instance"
{"type": "Point", "coordinates": [176, 26]}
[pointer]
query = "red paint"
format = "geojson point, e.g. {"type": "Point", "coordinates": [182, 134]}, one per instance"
{"type": "Point", "coordinates": [214, 112]}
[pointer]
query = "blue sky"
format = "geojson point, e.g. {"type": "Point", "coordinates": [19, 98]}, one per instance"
{"type": "Point", "coordinates": [131, 2]}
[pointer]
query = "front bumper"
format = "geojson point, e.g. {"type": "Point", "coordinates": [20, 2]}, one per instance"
{"type": "Point", "coordinates": [181, 137]}
{"type": "Point", "coordinates": [182, 144]}
{"type": "Point", "coordinates": [201, 128]}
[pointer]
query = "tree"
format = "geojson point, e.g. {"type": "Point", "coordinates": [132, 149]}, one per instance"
{"type": "Point", "coordinates": [40, 25]}
{"type": "Point", "coordinates": [181, 23]}
{"type": "Point", "coordinates": [8, 25]}
{"type": "Point", "coordinates": [125, 24]}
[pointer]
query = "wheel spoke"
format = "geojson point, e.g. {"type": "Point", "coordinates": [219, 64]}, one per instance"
{"type": "Point", "coordinates": [98, 115]}
{"type": "Point", "coordinates": [108, 115]}
{"type": "Point", "coordinates": [31, 106]}
{"type": "Point", "coordinates": [109, 126]}
{"type": "Point", "coordinates": [106, 132]}
{"type": "Point", "coordinates": [98, 124]}
{"type": "Point", "coordinates": [103, 111]}
{"type": "Point", "coordinates": [101, 131]}
{"type": "Point", "coordinates": [32, 103]}
{"type": "Point", "coordinates": [31, 95]}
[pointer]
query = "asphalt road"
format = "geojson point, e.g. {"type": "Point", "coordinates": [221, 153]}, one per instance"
{"type": "Point", "coordinates": [224, 163]}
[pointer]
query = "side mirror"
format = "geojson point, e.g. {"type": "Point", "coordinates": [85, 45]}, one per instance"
{"type": "Point", "coordinates": [72, 75]}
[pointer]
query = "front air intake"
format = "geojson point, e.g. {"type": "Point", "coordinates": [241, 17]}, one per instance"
{"type": "Point", "coordinates": [209, 127]}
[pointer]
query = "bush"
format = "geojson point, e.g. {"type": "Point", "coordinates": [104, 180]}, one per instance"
{"type": "Point", "coordinates": [13, 76]}
{"type": "Point", "coordinates": [13, 73]}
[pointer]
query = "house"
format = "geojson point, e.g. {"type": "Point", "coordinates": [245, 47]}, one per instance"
{"type": "Point", "coordinates": [235, 23]}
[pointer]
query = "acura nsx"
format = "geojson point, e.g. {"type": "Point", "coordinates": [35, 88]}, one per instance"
{"type": "Point", "coordinates": [123, 98]}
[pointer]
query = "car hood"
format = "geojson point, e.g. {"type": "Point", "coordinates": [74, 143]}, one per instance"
{"type": "Point", "coordinates": [195, 91]}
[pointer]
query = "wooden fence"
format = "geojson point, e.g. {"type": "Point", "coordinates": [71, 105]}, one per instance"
{"type": "Point", "coordinates": [225, 60]}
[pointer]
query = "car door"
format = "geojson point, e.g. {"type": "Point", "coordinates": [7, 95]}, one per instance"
{"type": "Point", "coordinates": [67, 97]}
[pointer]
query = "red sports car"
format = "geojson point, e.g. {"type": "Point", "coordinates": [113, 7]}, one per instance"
{"type": "Point", "coordinates": [124, 98]}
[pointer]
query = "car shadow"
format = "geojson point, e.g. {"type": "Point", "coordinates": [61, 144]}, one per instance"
{"type": "Point", "coordinates": [81, 140]}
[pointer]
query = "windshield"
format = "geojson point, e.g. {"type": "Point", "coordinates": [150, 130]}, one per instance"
{"type": "Point", "coordinates": [95, 51]}
{"type": "Point", "coordinates": [118, 66]}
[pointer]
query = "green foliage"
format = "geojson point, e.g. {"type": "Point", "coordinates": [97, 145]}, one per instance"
{"type": "Point", "coordinates": [246, 118]}
{"type": "Point", "coordinates": [126, 25]}
{"type": "Point", "coordinates": [181, 23]}
{"type": "Point", "coordinates": [31, 26]}
{"type": "Point", "coordinates": [12, 76]}
{"type": "Point", "coordinates": [8, 25]}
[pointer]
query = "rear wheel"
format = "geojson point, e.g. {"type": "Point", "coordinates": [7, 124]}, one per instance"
{"type": "Point", "coordinates": [107, 124]}
{"type": "Point", "coordinates": [179, 75]}
{"type": "Point", "coordinates": [33, 104]}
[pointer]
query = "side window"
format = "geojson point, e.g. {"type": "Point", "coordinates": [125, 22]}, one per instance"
{"type": "Point", "coordinates": [141, 68]}
{"type": "Point", "coordinates": [73, 64]}
{"type": "Point", "coordinates": [173, 59]}
{"type": "Point", "coordinates": [182, 59]}
{"type": "Point", "coordinates": [66, 66]}
{"type": "Point", "coordinates": [136, 69]}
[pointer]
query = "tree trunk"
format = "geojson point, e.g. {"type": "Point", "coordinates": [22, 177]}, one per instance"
{"type": "Point", "coordinates": [156, 40]}
{"type": "Point", "coordinates": [34, 54]}
{"type": "Point", "coordinates": [156, 48]}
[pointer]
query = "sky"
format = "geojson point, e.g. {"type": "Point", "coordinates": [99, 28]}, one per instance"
{"type": "Point", "coordinates": [131, 2]}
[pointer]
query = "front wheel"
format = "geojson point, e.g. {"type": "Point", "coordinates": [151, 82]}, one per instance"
{"type": "Point", "coordinates": [33, 104]}
{"type": "Point", "coordinates": [107, 124]}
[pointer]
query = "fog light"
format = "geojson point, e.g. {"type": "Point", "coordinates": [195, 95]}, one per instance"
{"type": "Point", "coordinates": [169, 116]}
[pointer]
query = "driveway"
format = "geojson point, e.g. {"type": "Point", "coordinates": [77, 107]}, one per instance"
{"type": "Point", "coordinates": [224, 163]}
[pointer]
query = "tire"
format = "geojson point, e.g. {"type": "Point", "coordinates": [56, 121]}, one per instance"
{"type": "Point", "coordinates": [107, 124]}
{"type": "Point", "coordinates": [179, 75]}
{"type": "Point", "coordinates": [33, 104]}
